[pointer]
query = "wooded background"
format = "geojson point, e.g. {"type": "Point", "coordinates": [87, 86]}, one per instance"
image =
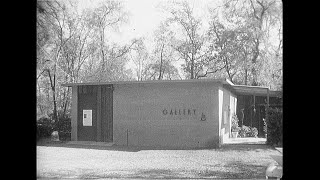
{"type": "Point", "coordinates": [72, 47]}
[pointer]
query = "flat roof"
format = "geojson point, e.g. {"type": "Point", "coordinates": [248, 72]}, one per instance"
{"type": "Point", "coordinates": [237, 89]}
{"type": "Point", "coordinates": [255, 90]}
{"type": "Point", "coordinates": [223, 81]}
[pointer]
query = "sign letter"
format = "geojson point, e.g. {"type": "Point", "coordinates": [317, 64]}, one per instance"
{"type": "Point", "coordinates": [165, 112]}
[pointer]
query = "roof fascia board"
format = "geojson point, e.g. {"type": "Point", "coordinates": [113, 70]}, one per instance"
{"type": "Point", "coordinates": [223, 81]}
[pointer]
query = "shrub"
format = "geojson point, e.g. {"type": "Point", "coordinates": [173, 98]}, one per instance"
{"type": "Point", "coordinates": [63, 126]}
{"type": "Point", "coordinates": [274, 126]}
{"type": "Point", "coordinates": [234, 125]}
{"type": "Point", "coordinates": [247, 131]}
{"type": "Point", "coordinates": [244, 130]}
{"type": "Point", "coordinates": [253, 132]}
{"type": "Point", "coordinates": [44, 127]}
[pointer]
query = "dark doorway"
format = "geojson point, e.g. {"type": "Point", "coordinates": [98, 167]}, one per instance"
{"type": "Point", "coordinates": [87, 100]}
{"type": "Point", "coordinates": [98, 99]}
{"type": "Point", "coordinates": [251, 110]}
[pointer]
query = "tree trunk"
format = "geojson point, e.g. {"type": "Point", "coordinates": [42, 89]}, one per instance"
{"type": "Point", "coordinates": [66, 101]}
{"type": "Point", "coordinates": [254, 61]}
{"type": "Point", "coordinates": [40, 98]}
{"type": "Point", "coordinates": [192, 66]}
{"type": "Point", "coordinates": [53, 88]}
{"type": "Point", "coordinates": [228, 70]}
{"type": "Point", "coordinates": [65, 108]}
{"type": "Point", "coordinates": [54, 107]}
{"type": "Point", "coordinates": [161, 62]}
{"type": "Point", "coordinates": [103, 66]}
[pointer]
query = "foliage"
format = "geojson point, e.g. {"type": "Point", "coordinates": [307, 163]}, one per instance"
{"type": "Point", "coordinates": [241, 40]}
{"type": "Point", "coordinates": [253, 132]}
{"type": "Point", "coordinates": [74, 46]}
{"type": "Point", "coordinates": [247, 131]}
{"type": "Point", "coordinates": [168, 71]}
{"type": "Point", "coordinates": [234, 123]}
{"type": "Point", "coordinates": [140, 56]}
{"type": "Point", "coordinates": [190, 42]}
{"type": "Point", "coordinates": [229, 45]}
{"type": "Point", "coordinates": [44, 127]}
{"type": "Point", "coordinates": [162, 56]}
{"type": "Point", "coordinates": [274, 126]}
{"type": "Point", "coordinates": [244, 130]}
{"type": "Point", "coordinates": [64, 128]}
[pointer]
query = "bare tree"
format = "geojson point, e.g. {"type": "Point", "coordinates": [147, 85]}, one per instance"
{"type": "Point", "coordinates": [56, 15]}
{"type": "Point", "coordinates": [108, 15]}
{"type": "Point", "coordinates": [70, 44]}
{"type": "Point", "coordinates": [139, 55]}
{"type": "Point", "coordinates": [190, 44]}
{"type": "Point", "coordinates": [162, 55]}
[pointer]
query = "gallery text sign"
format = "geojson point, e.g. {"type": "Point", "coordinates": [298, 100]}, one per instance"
{"type": "Point", "coordinates": [179, 111]}
{"type": "Point", "coordinates": [182, 112]}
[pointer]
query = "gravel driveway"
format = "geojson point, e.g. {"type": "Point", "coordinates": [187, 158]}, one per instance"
{"type": "Point", "coordinates": [83, 162]}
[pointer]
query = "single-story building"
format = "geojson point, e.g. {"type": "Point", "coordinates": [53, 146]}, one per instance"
{"type": "Point", "coordinates": [167, 113]}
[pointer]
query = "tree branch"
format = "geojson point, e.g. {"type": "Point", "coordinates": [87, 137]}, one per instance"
{"type": "Point", "coordinates": [210, 72]}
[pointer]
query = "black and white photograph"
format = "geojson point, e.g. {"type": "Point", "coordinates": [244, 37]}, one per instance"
{"type": "Point", "coordinates": [159, 89]}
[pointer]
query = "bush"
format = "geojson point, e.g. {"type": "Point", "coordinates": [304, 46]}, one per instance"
{"type": "Point", "coordinates": [244, 130]}
{"type": "Point", "coordinates": [253, 132]}
{"type": "Point", "coordinates": [234, 125]}
{"type": "Point", "coordinates": [63, 126]}
{"type": "Point", "coordinates": [247, 131]}
{"type": "Point", "coordinates": [44, 127]}
{"type": "Point", "coordinates": [274, 126]}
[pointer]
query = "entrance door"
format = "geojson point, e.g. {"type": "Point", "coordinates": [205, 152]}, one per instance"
{"type": "Point", "coordinates": [87, 100]}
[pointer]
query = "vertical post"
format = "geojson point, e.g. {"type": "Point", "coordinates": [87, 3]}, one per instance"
{"type": "Point", "coordinates": [254, 109]}
{"type": "Point", "coordinates": [74, 114]}
{"type": "Point", "coordinates": [267, 100]}
{"type": "Point", "coordinates": [259, 132]}
{"type": "Point", "coordinates": [267, 110]}
{"type": "Point", "coordinates": [220, 115]}
{"type": "Point", "coordinates": [99, 114]}
{"type": "Point", "coordinates": [127, 137]}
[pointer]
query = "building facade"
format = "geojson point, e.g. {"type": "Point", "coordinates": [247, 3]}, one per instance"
{"type": "Point", "coordinates": [173, 114]}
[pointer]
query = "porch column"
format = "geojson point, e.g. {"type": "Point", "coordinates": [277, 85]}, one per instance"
{"type": "Point", "coordinates": [254, 102]}
{"type": "Point", "coordinates": [267, 110]}
{"type": "Point", "coordinates": [254, 109]}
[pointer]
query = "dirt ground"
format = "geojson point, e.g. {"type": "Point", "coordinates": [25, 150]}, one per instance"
{"type": "Point", "coordinates": [61, 161]}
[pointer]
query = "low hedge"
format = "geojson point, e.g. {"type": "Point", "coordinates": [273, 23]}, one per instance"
{"type": "Point", "coordinates": [45, 127]}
